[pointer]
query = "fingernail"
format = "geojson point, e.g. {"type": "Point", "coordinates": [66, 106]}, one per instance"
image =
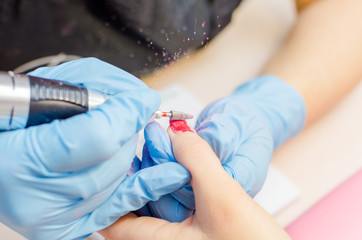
{"type": "Point", "coordinates": [179, 126]}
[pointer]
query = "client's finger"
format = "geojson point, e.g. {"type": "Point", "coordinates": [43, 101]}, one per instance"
{"type": "Point", "coordinates": [216, 193]}
{"type": "Point", "coordinates": [223, 209]}
{"type": "Point", "coordinates": [190, 149]}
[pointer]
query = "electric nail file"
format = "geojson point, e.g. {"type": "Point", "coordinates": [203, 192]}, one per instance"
{"type": "Point", "coordinates": [27, 101]}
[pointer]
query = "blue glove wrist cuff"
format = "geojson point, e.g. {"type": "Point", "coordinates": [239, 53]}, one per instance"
{"type": "Point", "coordinates": [281, 105]}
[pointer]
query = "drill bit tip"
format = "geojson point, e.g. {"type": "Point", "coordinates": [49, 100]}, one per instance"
{"type": "Point", "coordinates": [175, 115]}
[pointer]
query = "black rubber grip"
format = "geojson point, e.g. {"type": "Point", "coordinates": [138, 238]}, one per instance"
{"type": "Point", "coordinates": [52, 100]}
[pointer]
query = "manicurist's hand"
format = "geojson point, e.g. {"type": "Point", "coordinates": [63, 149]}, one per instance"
{"type": "Point", "coordinates": [68, 178]}
{"type": "Point", "coordinates": [173, 207]}
{"type": "Point", "coordinates": [244, 128]}
{"type": "Point", "coordinates": [223, 209]}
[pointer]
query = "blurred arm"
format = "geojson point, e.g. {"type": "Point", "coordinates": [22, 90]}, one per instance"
{"type": "Point", "coordinates": [322, 57]}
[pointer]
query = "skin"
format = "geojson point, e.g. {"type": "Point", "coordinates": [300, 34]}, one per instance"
{"type": "Point", "coordinates": [322, 56]}
{"type": "Point", "coordinates": [303, 3]}
{"type": "Point", "coordinates": [223, 209]}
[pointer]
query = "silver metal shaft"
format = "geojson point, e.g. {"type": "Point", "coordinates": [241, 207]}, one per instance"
{"type": "Point", "coordinates": [14, 101]}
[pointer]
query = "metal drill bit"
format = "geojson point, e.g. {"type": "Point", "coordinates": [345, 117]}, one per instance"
{"type": "Point", "coordinates": [175, 115]}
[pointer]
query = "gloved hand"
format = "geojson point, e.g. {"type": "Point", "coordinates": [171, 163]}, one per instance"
{"type": "Point", "coordinates": [67, 179]}
{"type": "Point", "coordinates": [243, 129]}
{"type": "Point", "coordinates": [246, 127]}
{"type": "Point", "coordinates": [178, 205]}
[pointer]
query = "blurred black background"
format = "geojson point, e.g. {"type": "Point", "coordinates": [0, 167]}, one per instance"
{"type": "Point", "coordinates": [137, 36]}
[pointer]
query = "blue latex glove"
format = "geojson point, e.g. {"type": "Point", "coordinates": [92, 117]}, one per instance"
{"type": "Point", "coordinates": [67, 179]}
{"type": "Point", "coordinates": [243, 129]}
{"type": "Point", "coordinates": [246, 127]}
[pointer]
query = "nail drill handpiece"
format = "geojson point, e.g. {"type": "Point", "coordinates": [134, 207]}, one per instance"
{"type": "Point", "coordinates": [27, 101]}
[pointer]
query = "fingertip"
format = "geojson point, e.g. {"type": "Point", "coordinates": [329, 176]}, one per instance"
{"type": "Point", "coordinates": [153, 128]}
{"type": "Point", "coordinates": [158, 143]}
{"type": "Point", "coordinates": [179, 128]}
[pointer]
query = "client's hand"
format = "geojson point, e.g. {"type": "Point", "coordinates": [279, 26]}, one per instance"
{"type": "Point", "coordinates": [243, 129]}
{"type": "Point", "coordinates": [223, 209]}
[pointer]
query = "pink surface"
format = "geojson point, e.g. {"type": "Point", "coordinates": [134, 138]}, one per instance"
{"type": "Point", "coordinates": [337, 216]}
